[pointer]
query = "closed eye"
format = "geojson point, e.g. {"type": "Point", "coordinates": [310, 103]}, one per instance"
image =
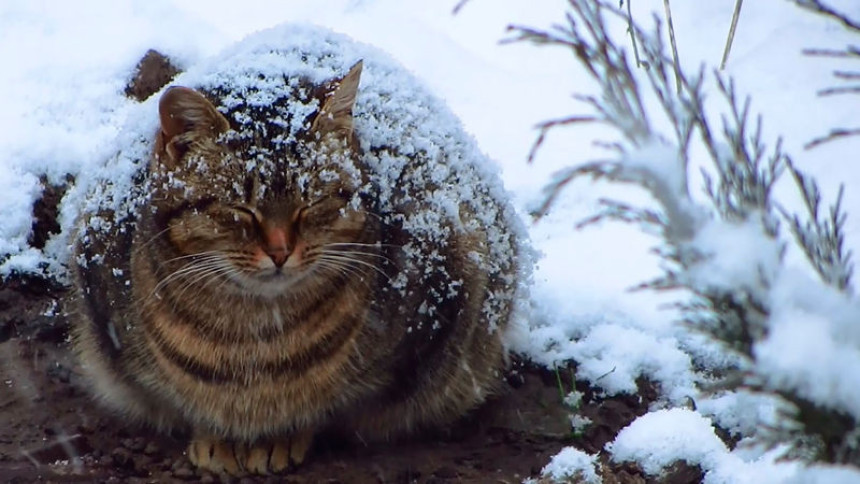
{"type": "Point", "coordinates": [249, 214]}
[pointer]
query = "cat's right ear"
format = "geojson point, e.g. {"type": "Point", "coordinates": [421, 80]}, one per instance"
{"type": "Point", "coordinates": [182, 112]}
{"type": "Point", "coordinates": [335, 115]}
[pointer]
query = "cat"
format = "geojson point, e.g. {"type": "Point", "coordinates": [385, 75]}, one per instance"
{"type": "Point", "coordinates": [283, 266]}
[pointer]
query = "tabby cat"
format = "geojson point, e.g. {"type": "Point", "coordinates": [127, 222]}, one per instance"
{"type": "Point", "coordinates": [281, 267]}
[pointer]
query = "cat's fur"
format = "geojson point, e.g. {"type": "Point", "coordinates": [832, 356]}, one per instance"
{"type": "Point", "coordinates": [255, 305]}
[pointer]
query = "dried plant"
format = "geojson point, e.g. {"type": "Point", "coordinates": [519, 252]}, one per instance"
{"type": "Point", "coordinates": [739, 174]}
{"type": "Point", "coordinates": [849, 79]}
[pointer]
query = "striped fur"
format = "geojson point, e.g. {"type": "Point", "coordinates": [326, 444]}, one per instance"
{"type": "Point", "coordinates": [237, 306]}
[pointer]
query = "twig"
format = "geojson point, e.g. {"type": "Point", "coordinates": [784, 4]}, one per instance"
{"type": "Point", "coordinates": [731, 37]}
{"type": "Point", "coordinates": [848, 76]}
{"type": "Point", "coordinates": [850, 52]}
{"type": "Point", "coordinates": [675, 61]}
{"type": "Point", "coordinates": [632, 34]}
{"type": "Point", "coordinates": [459, 5]}
{"type": "Point", "coordinates": [839, 90]}
{"type": "Point", "coordinates": [547, 125]}
{"type": "Point", "coordinates": [833, 135]}
{"type": "Point", "coordinates": [817, 6]}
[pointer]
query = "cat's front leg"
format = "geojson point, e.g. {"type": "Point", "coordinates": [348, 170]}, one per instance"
{"type": "Point", "coordinates": [262, 457]}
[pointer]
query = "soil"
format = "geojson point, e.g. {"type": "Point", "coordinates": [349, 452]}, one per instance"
{"type": "Point", "coordinates": [52, 431]}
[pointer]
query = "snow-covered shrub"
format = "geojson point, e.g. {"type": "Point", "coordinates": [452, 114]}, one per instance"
{"type": "Point", "coordinates": [795, 336]}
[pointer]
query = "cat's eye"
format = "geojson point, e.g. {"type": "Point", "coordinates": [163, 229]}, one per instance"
{"type": "Point", "coordinates": [300, 216]}
{"type": "Point", "coordinates": [247, 214]}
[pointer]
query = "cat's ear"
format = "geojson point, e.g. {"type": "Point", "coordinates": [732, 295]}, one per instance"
{"type": "Point", "coordinates": [335, 116]}
{"type": "Point", "coordinates": [185, 111]}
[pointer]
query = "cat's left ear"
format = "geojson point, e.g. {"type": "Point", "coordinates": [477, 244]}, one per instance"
{"type": "Point", "coordinates": [335, 116]}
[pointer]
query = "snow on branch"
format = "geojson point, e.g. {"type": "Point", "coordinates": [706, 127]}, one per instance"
{"type": "Point", "coordinates": [729, 251]}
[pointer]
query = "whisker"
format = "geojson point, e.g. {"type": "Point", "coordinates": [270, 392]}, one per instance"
{"type": "Point", "coordinates": [185, 271]}
{"type": "Point", "coordinates": [349, 253]}
{"type": "Point", "coordinates": [359, 244]}
{"type": "Point", "coordinates": [196, 256]}
{"type": "Point", "coordinates": [207, 277]}
{"type": "Point", "coordinates": [227, 277]}
{"type": "Point", "coordinates": [211, 271]}
{"type": "Point", "coordinates": [151, 240]}
{"type": "Point", "coordinates": [350, 260]}
{"type": "Point", "coordinates": [340, 268]}
{"type": "Point", "coordinates": [210, 255]}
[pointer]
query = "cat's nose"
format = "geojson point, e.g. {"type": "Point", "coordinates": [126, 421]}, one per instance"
{"type": "Point", "coordinates": [276, 246]}
{"type": "Point", "coordinates": [278, 256]}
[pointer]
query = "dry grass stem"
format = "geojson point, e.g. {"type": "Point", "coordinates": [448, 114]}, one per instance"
{"type": "Point", "coordinates": [731, 38]}
{"type": "Point", "coordinates": [676, 63]}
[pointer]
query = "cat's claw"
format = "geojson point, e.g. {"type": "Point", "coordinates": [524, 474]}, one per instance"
{"type": "Point", "coordinates": [289, 452]}
{"type": "Point", "coordinates": [214, 455]}
{"type": "Point", "coordinates": [259, 458]}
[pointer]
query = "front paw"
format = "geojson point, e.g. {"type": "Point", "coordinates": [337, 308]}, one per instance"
{"type": "Point", "coordinates": [214, 455]}
{"type": "Point", "coordinates": [258, 458]}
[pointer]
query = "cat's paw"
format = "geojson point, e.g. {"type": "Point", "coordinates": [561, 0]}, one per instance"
{"type": "Point", "coordinates": [214, 455]}
{"type": "Point", "coordinates": [258, 458]}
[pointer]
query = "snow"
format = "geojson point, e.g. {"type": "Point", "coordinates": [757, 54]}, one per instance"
{"type": "Point", "coordinates": [65, 113]}
{"type": "Point", "coordinates": [819, 326]}
{"type": "Point", "coordinates": [660, 438]}
{"type": "Point", "coordinates": [574, 465]}
{"type": "Point", "coordinates": [753, 254]}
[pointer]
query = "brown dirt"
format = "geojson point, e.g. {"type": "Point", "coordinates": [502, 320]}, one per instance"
{"type": "Point", "coordinates": [153, 72]}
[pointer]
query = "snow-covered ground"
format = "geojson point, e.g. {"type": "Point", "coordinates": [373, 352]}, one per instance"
{"type": "Point", "coordinates": [65, 65]}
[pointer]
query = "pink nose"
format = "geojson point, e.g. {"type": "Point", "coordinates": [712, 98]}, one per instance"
{"type": "Point", "coordinates": [276, 246]}
{"type": "Point", "coordinates": [278, 256]}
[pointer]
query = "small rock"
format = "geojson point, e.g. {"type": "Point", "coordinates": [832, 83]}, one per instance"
{"type": "Point", "coordinates": [142, 465]}
{"type": "Point", "coordinates": [151, 449]}
{"type": "Point", "coordinates": [184, 473]}
{"type": "Point", "coordinates": [121, 457]}
{"type": "Point", "coordinates": [446, 473]}
{"type": "Point", "coordinates": [137, 444]}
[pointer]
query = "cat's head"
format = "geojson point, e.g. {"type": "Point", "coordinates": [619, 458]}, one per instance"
{"type": "Point", "coordinates": [252, 225]}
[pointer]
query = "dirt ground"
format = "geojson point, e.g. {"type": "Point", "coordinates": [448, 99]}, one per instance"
{"type": "Point", "coordinates": [52, 431]}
